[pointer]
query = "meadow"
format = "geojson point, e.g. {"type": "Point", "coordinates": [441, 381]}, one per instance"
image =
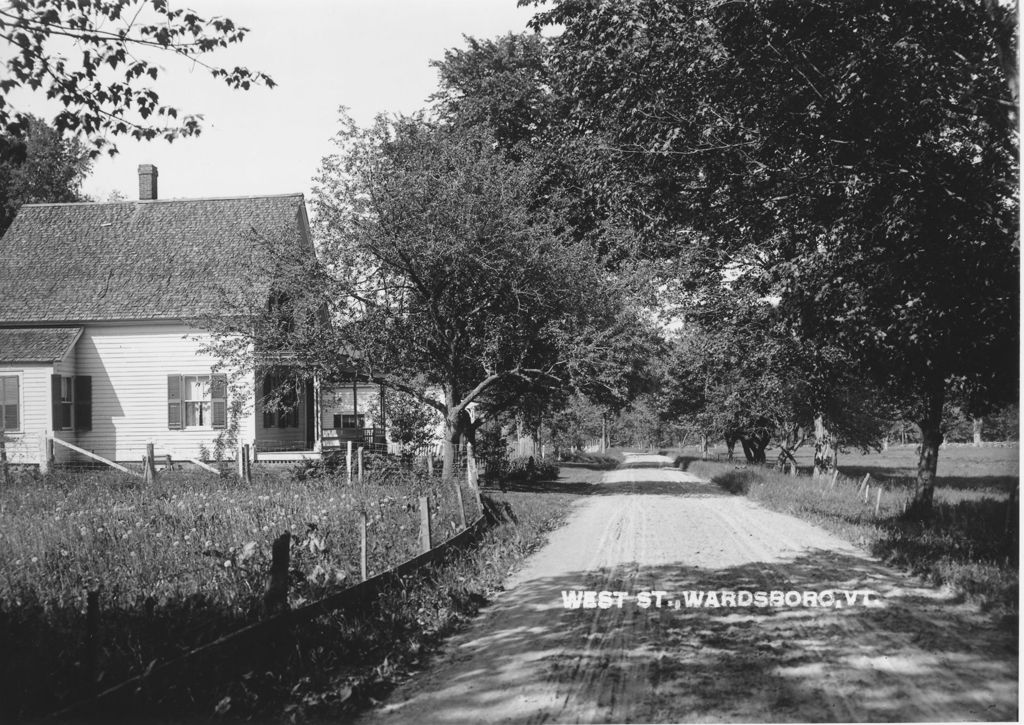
{"type": "Point", "coordinates": [177, 563]}
{"type": "Point", "coordinates": [969, 542]}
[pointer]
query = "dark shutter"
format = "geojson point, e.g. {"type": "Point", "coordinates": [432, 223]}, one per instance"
{"type": "Point", "coordinates": [83, 402]}
{"type": "Point", "coordinates": [10, 398]}
{"type": "Point", "coordinates": [56, 407]}
{"type": "Point", "coordinates": [174, 402]}
{"type": "Point", "coordinates": [219, 401]}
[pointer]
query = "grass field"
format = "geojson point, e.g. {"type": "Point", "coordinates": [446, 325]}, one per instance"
{"type": "Point", "coordinates": [970, 541]}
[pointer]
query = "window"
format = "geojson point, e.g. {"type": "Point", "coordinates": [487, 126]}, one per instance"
{"type": "Point", "coordinates": [349, 421]}
{"type": "Point", "coordinates": [10, 402]}
{"type": "Point", "coordinates": [67, 403]}
{"type": "Point", "coordinates": [72, 402]}
{"type": "Point", "coordinates": [280, 400]}
{"type": "Point", "coordinates": [197, 401]}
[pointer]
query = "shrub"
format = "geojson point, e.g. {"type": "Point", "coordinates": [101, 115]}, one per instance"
{"type": "Point", "coordinates": [596, 460]}
{"type": "Point", "coordinates": [527, 469]}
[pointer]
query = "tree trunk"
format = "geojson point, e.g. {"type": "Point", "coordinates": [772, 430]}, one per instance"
{"type": "Point", "coordinates": [730, 444]}
{"type": "Point", "coordinates": [931, 439]}
{"type": "Point", "coordinates": [976, 425]}
{"type": "Point", "coordinates": [704, 446]}
{"type": "Point", "coordinates": [824, 448]}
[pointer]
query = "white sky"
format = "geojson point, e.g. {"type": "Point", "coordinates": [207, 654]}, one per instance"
{"type": "Point", "coordinates": [369, 55]}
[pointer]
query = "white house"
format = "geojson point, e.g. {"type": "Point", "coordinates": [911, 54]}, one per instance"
{"type": "Point", "coordinates": [101, 344]}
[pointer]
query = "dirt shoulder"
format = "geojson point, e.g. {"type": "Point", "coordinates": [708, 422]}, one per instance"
{"type": "Point", "coordinates": [912, 654]}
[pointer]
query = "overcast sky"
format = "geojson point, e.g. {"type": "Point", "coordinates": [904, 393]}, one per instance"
{"type": "Point", "coordinates": [368, 55]}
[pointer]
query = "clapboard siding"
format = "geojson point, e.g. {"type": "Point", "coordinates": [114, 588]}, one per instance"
{"type": "Point", "coordinates": [129, 365]}
{"type": "Point", "coordinates": [25, 444]}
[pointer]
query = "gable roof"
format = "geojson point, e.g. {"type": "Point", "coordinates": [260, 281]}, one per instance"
{"type": "Point", "coordinates": [168, 259]}
{"type": "Point", "coordinates": [36, 345]}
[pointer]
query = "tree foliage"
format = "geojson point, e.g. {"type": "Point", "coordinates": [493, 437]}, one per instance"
{"type": "Point", "coordinates": [442, 272]}
{"type": "Point", "coordinates": [48, 169]}
{"type": "Point", "coordinates": [859, 158]}
{"type": "Point", "coordinates": [99, 60]}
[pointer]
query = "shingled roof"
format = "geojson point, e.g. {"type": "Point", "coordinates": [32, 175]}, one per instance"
{"type": "Point", "coordinates": [141, 260]}
{"type": "Point", "coordinates": [36, 344]}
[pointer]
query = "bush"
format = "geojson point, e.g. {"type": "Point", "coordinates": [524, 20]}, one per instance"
{"type": "Point", "coordinates": [526, 469]}
{"type": "Point", "coordinates": [596, 460]}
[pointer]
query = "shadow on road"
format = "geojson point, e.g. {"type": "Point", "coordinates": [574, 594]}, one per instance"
{"type": "Point", "coordinates": [907, 657]}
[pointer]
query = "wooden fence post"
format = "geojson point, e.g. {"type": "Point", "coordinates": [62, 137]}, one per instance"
{"type": "Point", "coordinates": [348, 460]}
{"type": "Point", "coordinates": [472, 473]}
{"type": "Point", "coordinates": [835, 477]}
{"type": "Point", "coordinates": [867, 493]}
{"type": "Point", "coordinates": [46, 462]}
{"type": "Point", "coordinates": [360, 456]}
{"type": "Point", "coordinates": [424, 524]}
{"type": "Point", "coordinates": [878, 501]}
{"type": "Point", "coordinates": [462, 507]}
{"type": "Point", "coordinates": [246, 464]}
{"type": "Point", "coordinates": [275, 600]}
{"type": "Point", "coordinates": [362, 545]}
{"type": "Point", "coordinates": [149, 465]}
{"type": "Point", "coordinates": [92, 628]}
{"type": "Point", "coordinates": [5, 472]}
{"type": "Point", "coordinates": [864, 483]}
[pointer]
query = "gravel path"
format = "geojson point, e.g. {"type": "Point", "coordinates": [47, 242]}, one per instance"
{"type": "Point", "coordinates": [911, 654]}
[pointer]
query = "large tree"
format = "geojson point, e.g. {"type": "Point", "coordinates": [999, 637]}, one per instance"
{"type": "Point", "coordinates": [861, 157]}
{"type": "Point", "coordinates": [442, 271]}
{"type": "Point", "coordinates": [49, 169]}
{"type": "Point", "coordinates": [99, 60]}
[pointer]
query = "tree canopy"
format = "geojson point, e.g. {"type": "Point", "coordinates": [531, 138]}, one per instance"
{"type": "Point", "coordinates": [860, 159]}
{"type": "Point", "coordinates": [49, 169]}
{"type": "Point", "coordinates": [98, 59]}
{"type": "Point", "coordinates": [442, 272]}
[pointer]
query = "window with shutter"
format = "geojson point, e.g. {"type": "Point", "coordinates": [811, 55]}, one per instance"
{"type": "Point", "coordinates": [10, 402]}
{"type": "Point", "coordinates": [71, 402]}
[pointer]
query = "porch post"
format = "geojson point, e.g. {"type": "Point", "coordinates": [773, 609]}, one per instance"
{"type": "Point", "coordinates": [318, 432]}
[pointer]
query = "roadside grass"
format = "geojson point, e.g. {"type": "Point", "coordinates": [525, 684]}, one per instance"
{"type": "Point", "coordinates": [176, 564]}
{"type": "Point", "coordinates": [968, 543]}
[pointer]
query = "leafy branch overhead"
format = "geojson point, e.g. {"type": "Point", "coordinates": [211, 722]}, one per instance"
{"type": "Point", "coordinates": [98, 59]}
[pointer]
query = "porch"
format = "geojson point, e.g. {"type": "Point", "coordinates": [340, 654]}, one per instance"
{"type": "Point", "coordinates": [323, 418]}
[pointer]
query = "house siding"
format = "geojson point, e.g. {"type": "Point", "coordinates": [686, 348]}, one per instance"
{"type": "Point", "coordinates": [25, 445]}
{"type": "Point", "coordinates": [129, 365]}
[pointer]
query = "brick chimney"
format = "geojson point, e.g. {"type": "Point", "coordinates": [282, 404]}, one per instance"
{"type": "Point", "coordinates": [147, 182]}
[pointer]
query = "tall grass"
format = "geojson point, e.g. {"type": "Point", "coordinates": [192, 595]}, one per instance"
{"type": "Point", "coordinates": [177, 563]}
{"type": "Point", "coordinates": [968, 542]}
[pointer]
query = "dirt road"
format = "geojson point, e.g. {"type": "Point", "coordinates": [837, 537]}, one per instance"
{"type": "Point", "coordinates": [911, 654]}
